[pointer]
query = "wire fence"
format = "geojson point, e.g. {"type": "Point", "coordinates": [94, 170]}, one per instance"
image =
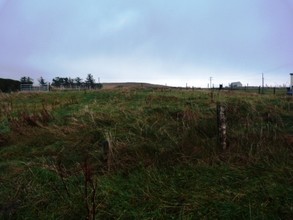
{"type": "Point", "coordinates": [261, 90]}
{"type": "Point", "coordinates": [247, 89]}
{"type": "Point", "coordinates": [31, 88]}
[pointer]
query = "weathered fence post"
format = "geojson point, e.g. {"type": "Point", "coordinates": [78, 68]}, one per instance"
{"type": "Point", "coordinates": [222, 125]}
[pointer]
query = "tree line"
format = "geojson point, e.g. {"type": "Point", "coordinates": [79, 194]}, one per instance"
{"type": "Point", "coordinates": [9, 85]}
{"type": "Point", "coordinates": [67, 82]}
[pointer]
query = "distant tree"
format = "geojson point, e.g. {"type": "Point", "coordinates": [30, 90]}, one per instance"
{"type": "Point", "coordinates": [56, 82]}
{"type": "Point", "coordinates": [64, 81]}
{"type": "Point", "coordinates": [42, 82]}
{"type": "Point", "coordinates": [90, 81]}
{"type": "Point", "coordinates": [61, 81]}
{"type": "Point", "coordinates": [70, 82]}
{"type": "Point", "coordinates": [78, 81]}
{"type": "Point", "coordinates": [26, 80]}
{"type": "Point", "coordinates": [23, 80]}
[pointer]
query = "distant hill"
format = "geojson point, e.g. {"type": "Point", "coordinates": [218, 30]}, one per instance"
{"type": "Point", "coordinates": [9, 85]}
{"type": "Point", "coordinates": [131, 85]}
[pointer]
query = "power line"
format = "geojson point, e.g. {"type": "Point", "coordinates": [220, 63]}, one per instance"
{"type": "Point", "coordinates": [279, 67]}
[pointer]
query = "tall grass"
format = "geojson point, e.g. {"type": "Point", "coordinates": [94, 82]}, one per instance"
{"type": "Point", "coordinates": [145, 154]}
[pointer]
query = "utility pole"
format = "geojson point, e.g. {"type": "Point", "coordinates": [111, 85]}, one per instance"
{"type": "Point", "coordinates": [211, 78]}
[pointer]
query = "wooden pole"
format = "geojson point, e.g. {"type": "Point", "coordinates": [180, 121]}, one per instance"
{"type": "Point", "coordinates": [222, 125]}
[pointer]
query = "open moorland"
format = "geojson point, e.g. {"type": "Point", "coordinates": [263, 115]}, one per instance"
{"type": "Point", "coordinates": [145, 153]}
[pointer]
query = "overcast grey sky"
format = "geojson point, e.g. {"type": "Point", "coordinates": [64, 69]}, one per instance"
{"type": "Point", "coordinates": [166, 42]}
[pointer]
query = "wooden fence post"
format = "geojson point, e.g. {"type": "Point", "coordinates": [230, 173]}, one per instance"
{"type": "Point", "coordinates": [222, 125]}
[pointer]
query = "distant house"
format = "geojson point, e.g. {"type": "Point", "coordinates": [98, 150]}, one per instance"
{"type": "Point", "coordinates": [236, 84]}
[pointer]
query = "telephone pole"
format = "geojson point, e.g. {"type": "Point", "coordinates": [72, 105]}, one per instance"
{"type": "Point", "coordinates": [211, 78]}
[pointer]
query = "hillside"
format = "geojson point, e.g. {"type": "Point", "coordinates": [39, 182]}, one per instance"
{"type": "Point", "coordinates": [118, 85]}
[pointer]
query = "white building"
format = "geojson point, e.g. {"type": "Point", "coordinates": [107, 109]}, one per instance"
{"type": "Point", "coordinates": [236, 84]}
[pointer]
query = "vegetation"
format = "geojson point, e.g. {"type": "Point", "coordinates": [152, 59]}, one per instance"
{"type": "Point", "coordinates": [67, 82]}
{"type": "Point", "coordinates": [145, 154]}
{"type": "Point", "coordinates": [42, 81]}
{"type": "Point", "coordinates": [26, 80]}
{"type": "Point", "coordinates": [9, 85]}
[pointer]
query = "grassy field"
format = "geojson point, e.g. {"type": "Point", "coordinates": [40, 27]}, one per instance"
{"type": "Point", "coordinates": [145, 154]}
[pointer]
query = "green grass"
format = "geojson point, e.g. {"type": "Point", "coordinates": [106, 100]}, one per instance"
{"type": "Point", "coordinates": [145, 154]}
{"type": "Point", "coordinates": [198, 192]}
